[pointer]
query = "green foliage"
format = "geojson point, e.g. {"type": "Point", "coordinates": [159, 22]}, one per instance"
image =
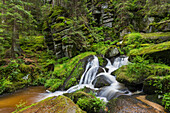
{"type": "Point", "coordinates": [91, 105]}
{"type": "Point", "coordinates": [4, 84]}
{"type": "Point", "coordinates": [166, 101]}
{"type": "Point", "coordinates": [138, 67]}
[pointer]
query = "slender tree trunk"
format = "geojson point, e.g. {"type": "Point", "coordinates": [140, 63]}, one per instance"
{"type": "Point", "coordinates": [15, 48]}
{"type": "Point", "coordinates": [13, 41]}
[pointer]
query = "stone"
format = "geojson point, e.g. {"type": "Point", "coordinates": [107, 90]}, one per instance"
{"type": "Point", "coordinates": [101, 82]}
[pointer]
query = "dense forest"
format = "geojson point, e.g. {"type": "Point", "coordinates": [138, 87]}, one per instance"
{"type": "Point", "coordinates": [49, 43]}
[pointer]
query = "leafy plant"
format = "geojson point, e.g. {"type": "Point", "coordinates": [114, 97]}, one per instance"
{"type": "Point", "coordinates": [166, 100]}
{"type": "Point", "coordinates": [21, 105]}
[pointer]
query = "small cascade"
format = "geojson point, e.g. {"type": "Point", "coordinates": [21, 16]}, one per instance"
{"type": "Point", "coordinates": [90, 77]}
{"type": "Point", "coordinates": [91, 73]}
{"type": "Point", "coordinates": [118, 62]}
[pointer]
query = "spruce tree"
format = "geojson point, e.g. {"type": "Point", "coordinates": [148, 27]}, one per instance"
{"type": "Point", "coordinates": [17, 20]}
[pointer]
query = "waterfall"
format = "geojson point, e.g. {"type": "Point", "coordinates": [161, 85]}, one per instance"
{"type": "Point", "coordinates": [90, 77]}
{"type": "Point", "coordinates": [118, 62]}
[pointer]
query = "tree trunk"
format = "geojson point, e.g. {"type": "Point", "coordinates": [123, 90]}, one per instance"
{"type": "Point", "coordinates": [15, 44]}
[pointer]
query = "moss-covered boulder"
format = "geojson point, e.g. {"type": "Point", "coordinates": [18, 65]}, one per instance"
{"type": "Point", "coordinates": [102, 61]}
{"type": "Point", "coordinates": [132, 81]}
{"type": "Point", "coordinates": [60, 104]}
{"type": "Point", "coordinates": [136, 74]}
{"type": "Point", "coordinates": [69, 73]}
{"type": "Point", "coordinates": [158, 52]}
{"type": "Point", "coordinates": [139, 39]}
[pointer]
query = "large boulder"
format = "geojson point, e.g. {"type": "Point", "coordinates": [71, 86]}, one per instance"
{"type": "Point", "coordinates": [137, 104]}
{"type": "Point", "coordinates": [60, 104]}
{"type": "Point", "coordinates": [159, 52]}
{"type": "Point", "coordinates": [69, 73]}
{"type": "Point", "coordinates": [141, 75]}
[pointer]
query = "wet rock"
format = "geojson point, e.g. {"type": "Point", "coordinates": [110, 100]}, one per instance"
{"type": "Point", "coordinates": [101, 82]}
{"type": "Point", "coordinates": [60, 104]}
{"type": "Point", "coordinates": [128, 104]}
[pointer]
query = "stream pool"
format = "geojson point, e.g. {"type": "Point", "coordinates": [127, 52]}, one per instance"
{"type": "Point", "coordinates": [29, 95]}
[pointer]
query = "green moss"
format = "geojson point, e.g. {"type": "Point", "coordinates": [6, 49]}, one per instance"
{"type": "Point", "coordinates": [155, 35]}
{"type": "Point", "coordinates": [151, 49]}
{"type": "Point", "coordinates": [137, 72]}
{"type": "Point", "coordinates": [100, 47]}
{"type": "Point", "coordinates": [132, 38]}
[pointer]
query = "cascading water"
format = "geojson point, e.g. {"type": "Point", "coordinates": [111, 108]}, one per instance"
{"type": "Point", "coordinates": [118, 62]}
{"type": "Point", "coordinates": [90, 77]}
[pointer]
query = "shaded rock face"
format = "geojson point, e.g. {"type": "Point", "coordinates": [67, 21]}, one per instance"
{"type": "Point", "coordinates": [127, 104]}
{"type": "Point", "coordinates": [60, 104]}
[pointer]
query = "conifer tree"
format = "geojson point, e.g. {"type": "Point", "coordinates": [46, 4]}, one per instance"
{"type": "Point", "coordinates": [17, 20]}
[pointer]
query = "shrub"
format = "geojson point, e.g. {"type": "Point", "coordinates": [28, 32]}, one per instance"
{"type": "Point", "coordinates": [166, 101]}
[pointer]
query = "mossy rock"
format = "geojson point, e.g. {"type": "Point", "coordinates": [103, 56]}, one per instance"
{"type": "Point", "coordinates": [60, 104]}
{"type": "Point", "coordinates": [138, 39]}
{"type": "Point", "coordinates": [157, 37]}
{"type": "Point", "coordinates": [15, 86]}
{"type": "Point", "coordinates": [157, 84]}
{"type": "Point", "coordinates": [69, 73]}
{"type": "Point", "coordinates": [159, 52]}
{"type": "Point", "coordinates": [134, 81]}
